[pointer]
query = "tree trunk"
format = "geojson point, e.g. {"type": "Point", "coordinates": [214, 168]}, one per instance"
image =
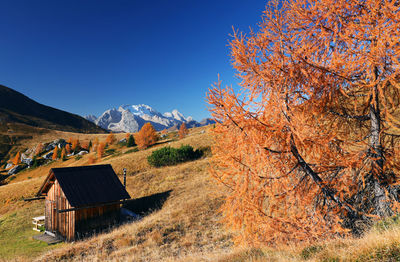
{"type": "Point", "coordinates": [380, 200]}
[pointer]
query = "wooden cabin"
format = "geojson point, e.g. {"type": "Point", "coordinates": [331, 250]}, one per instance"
{"type": "Point", "coordinates": [81, 200]}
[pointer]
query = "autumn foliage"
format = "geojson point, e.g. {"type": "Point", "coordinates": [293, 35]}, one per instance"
{"type": "Point", "coordinates": [85, 145]}
{"type": "Point", "coordinates": [39, 149]}
{"type": "Point", "coordinates": [63, 154]}
{"type": "Point", "coordinates": [55, 153]}
{"type": "Point", "coordinates": [100, 149]}
{"type": "Point", "coordinates": [17, 158]}
{"type": "Point", "coordinates": [183, 131]}
{"type": "Point", "coordinates": [146, 137]}
{"type": "Point", "coordinates": [68, 148]}
{"type": "Point", "coordinates": [310, 146]}
{"type": "Point", "coordinates": [75, 144]}
{"type": "Point", "coordinates": [111, 138]}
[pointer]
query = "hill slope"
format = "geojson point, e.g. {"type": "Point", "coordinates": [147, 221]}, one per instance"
{"type": "Point", "coordinates": [18, 108]}
{"type": "Point", "coordinates": [185, 227]}
{"type": "Point", "coordinates": [187, 221]}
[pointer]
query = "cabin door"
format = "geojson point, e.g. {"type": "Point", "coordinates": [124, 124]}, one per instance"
{"type": "Point", "coordinates": [51, 215]}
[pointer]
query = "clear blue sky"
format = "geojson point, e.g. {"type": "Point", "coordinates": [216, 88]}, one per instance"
{"type": "Point", "coordinates": [86, 56]}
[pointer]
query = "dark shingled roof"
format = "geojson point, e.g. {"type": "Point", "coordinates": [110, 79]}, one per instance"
{"type": "Point", "coordinates": [88, 185]}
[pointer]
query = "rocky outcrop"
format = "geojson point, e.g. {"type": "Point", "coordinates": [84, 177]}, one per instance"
{"type": "Point", "coordinates": [27, 161]}
{"type": "Point", "coordinates": [16, 169]}
{"type": "Point", "coordinates": [83, 152]}
{"type": "Point", "coordinates": [48, 155]}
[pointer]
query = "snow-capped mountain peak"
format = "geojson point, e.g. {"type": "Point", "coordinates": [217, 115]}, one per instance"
{"type": "Point", "coordinates": [91, 118]}
{"type": "Point", "coordinates": [175, 114]}
{"type": "Point", "coordinates": [130, 118]}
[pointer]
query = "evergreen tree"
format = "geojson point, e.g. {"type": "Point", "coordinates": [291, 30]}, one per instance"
{"type": "Point", "coordinates": [131, 141]}
{"type": "Point", "coordinates": [35, 162]}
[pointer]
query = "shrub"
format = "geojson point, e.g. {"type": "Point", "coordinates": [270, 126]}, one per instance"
{"type": "Point", "coordinates": [168, 156]}
{"type": "Point", "coordinates": [135, 149]}
{"type": "Point", "coordinates": [186, 153]}
{"type": "Point", "coordinates": [109, 151]}
{"type": "Point", "coordinates": [77, 157]}
{"type": "Point", "coordinates": [165, 156]}
{"type": "Point", "coordinates": [206, 150]}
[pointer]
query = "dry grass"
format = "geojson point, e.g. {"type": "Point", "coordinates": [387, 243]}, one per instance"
{"type": "Point", "coordinates": [187, 223]}
{"type": "Point", "coordinates": [376, 245]}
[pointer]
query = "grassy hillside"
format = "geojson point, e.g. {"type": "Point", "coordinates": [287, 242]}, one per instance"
{"type": "Point", "coordinates": [186, 223]}
{"type": "Point", "coordinates": [21, 115]}
{"type": "Point", "coordinates": [18, 108]}
{"type": "Point", "coordinates": [184, 227]}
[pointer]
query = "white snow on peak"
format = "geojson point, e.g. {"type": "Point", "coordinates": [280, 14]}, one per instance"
{"type": "Point", "coordinates": [130, 118]}
{"type": "Point", "coordinates": [91, 118]}
{"type": "Point", "coordinates": [175, 114]}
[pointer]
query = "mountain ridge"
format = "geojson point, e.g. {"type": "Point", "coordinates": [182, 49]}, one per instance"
{"type": "Point", "coordinates": [15, 107]}
{"type": "Point", "coordinates": [130, 118]}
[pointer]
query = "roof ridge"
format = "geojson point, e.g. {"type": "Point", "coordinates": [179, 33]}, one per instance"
{"type": "Point", "coordinates": [80, 167]}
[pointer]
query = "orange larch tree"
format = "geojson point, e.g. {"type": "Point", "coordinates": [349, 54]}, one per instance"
{"type": "Point", "coordinates": [17, 158]}
{"type": "Point", "coordinates": [100, 149]}
{"type": "Point", "coordinates": [95, 145]}
{"type": "Point", "coordinates": [309, 148]}
{"type": "Point", "coordinates": [55, 153]}
{"type": "Point", "coordinates": [85, 145]}
{"type": "Point", "coordinates": [39, 149]}
{"type": "Point", "coordinates": [75, 144]}
{"type": "Point", "coordinates": [183, 131]}
{"type": "Point", "coordinates": [68, 148]}
{"type": "Point", "coordinates": [146, 137]}
{"type": "Point", "coordinates": [63, 154]}
{"type": "Point", "coordinates": [111, 138]}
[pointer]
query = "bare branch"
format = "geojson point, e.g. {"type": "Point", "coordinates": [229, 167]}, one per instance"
{"type": "Point", "coordinates": [360, 118]}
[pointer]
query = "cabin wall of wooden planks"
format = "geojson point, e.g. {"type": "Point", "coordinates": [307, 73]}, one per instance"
{"type": "Point", "coordinates": [60, 223]}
